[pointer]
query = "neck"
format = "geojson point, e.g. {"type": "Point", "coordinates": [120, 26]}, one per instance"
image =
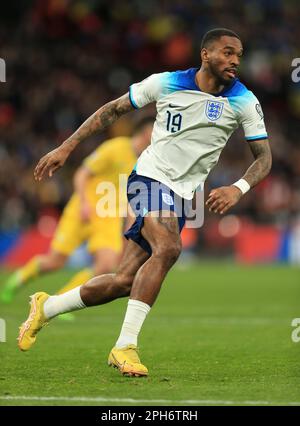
{"type": "Point", "coordinates": [208, 82]}
{"type": "Point", "coordinates": [135, 148]}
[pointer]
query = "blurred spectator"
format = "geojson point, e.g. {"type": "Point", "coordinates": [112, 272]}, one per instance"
{"type": "Point", "coordinates": [66, 58]}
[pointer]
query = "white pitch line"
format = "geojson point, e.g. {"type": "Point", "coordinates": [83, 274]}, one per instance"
{"type": "Point", "coordinates": [134, 401]}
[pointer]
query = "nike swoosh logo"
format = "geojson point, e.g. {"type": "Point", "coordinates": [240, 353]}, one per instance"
{"type": "Point", "coordinates": [174, 106]}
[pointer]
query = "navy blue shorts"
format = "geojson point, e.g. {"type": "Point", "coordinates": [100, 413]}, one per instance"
{"type": "Point", "coordinates": [145, 195]}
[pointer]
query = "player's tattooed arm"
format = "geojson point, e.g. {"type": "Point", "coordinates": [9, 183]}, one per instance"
{"type": "Point", "coordinates": [220, 200]}
{"type": "Point", "coordinates": [102, 118]}
{"type": "Point", "coordinates": [261, 167]}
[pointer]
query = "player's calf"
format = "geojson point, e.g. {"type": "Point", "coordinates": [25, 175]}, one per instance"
{"type": "Point", "coordinates": [105, 288]}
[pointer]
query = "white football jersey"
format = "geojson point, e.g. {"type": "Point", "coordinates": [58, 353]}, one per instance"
{"type": "Point", "coordinates": [192, 127]}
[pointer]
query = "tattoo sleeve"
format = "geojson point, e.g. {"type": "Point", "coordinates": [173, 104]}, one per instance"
{"type": "Point", "coordinates": [102, 118]}
{"type": "Point", "coordinates": [261, 167]}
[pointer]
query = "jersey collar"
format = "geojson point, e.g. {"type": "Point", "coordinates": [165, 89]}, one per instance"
{"type": "Point", "coordinates": [222, 93]}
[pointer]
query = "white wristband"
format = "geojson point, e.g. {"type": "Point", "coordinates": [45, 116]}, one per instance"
{"type": "Point", "coordinates": [243, 185]}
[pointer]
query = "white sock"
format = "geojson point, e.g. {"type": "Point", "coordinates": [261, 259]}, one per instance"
{"type": "Point", "coordinates": [66, 302]}
{"type": "Point", "coordinates": [135, 316]}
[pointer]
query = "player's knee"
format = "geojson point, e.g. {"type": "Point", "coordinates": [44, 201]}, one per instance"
{"type": "Point", "coordinates": [173, 252]}
{"type": "Point", "coordinates": [51, 262]}
{"type": "Point", "coordinates": [57, 263]}
{"type": "Point", "coordinates": [168, 251]}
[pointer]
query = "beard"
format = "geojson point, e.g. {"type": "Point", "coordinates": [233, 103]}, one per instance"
{"type": "Point", "coordinates": [220, 75]}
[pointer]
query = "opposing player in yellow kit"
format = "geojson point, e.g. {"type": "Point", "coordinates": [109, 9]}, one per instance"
{"type": "Point", "coordinates": [80, 222]}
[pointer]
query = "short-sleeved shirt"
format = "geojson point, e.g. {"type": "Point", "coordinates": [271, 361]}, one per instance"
{"type": "Point", "coordinates": [192, 127]}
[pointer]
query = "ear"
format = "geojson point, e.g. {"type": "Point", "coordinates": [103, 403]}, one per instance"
{"type": "Point", "coordinates": [204, 54]}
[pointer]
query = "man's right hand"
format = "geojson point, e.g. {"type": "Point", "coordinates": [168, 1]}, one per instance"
{"type": "Point", "coordinates": [51, 162]}
{"type": "Point", "coordinates": [103, 117]}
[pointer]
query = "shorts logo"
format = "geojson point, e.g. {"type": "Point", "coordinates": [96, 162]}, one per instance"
{"type": "Point", "coordinates": [168, 199]}
{"type": "Point", "coordinates": [214, 110]}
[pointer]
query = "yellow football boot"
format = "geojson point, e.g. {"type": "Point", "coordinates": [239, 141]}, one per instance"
{"type": "Point", "coordinates": [127, 361]}
{"type": "Point", "coordinates": [34, 322]}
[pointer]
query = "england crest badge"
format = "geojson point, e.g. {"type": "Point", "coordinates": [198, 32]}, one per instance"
{"type": "Point", "coordinates": [214, 110]}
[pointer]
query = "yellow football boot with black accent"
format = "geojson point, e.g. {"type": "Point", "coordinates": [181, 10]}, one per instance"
{"type": "Point", "coordinates": [34, 322]}
{"type": "Point", "coordinates": [127, 361]}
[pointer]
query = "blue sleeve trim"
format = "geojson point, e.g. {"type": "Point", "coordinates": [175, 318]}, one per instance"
{"type": "Point", "coordinates": [131, 99]}
{"type": "Point", "coordinates": [257, 137]}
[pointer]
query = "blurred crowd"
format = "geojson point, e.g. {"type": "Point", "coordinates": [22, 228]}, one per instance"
{"type": "Point", "coordinates": [66, 58]}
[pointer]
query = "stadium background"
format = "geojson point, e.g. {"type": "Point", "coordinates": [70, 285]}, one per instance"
{"type": "Point", "coordinates": [66, 58]}
{"type": "Point", "coordinates": [220, 331]}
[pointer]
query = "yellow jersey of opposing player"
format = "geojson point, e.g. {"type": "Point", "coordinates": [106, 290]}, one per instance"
{"type": "Point", "coordinates": [113, 158]}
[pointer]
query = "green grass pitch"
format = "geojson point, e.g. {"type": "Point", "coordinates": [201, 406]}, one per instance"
{"type": "Point", "coordinates": [219, 334]}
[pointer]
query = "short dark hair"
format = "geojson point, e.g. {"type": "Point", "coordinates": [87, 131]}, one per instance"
{"type": "Point", "coordinates": [216, 34]}
{"type": "Point", "coordinates": [141, 122]}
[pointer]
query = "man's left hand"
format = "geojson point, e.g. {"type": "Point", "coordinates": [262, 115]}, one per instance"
{"type": "Point", "coordinates": [221, 199]}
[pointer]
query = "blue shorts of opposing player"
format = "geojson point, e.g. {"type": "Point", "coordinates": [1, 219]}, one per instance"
{"type": "Point", "coordinates": [145, 195]}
